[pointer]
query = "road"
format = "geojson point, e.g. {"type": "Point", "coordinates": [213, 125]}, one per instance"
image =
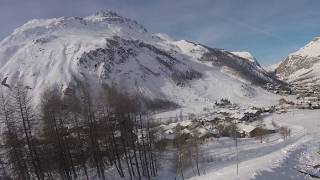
{"type": "Point", "coordinates": [276, 160]}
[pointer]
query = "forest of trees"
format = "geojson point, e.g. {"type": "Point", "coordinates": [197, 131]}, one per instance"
{"type": "Point", "coordinates": [73, 135]}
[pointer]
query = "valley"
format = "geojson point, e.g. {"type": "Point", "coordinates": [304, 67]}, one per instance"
{"type": "Point", "coordinates": [101, 97]}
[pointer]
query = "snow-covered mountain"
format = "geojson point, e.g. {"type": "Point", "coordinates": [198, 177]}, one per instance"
{"type": "Point", "coordinates": [302, 66]}
{"type": "Point", "coordinates": [272, 67]}
{"type": "Point", "coordinates": [246, 55]}
{"type": "Point", "coordinates": [105, 48]}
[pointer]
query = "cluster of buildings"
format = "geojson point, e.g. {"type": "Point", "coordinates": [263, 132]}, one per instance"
{"type": "Point", "coordinates": [225, 119]}
{"type": "Point", "coordinates": [308, 96]}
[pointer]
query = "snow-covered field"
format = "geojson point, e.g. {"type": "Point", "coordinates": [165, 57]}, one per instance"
{"type": "Point", "coordinates": [276, 158]}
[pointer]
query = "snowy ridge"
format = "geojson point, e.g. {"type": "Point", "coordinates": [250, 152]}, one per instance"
{"type": "Point", "coordinates": [310, 50]}
{"type": "Point", "coordinates": [104, 48]}
{"type": "Point", "coordinates": [302, 66]}
{"type": "Point", "coordinates": [246, 55]}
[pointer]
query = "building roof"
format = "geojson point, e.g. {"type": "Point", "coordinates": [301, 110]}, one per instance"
{"type": "Point", "coordinates": [245, 128]}
{"type": "Point", "coordinates": [238, 116]}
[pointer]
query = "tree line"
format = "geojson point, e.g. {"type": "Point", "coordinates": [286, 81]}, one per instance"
{"type": "Point", "coordinates": [75, 135]}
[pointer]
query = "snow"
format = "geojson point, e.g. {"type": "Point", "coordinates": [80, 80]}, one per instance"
{"type": "Point", "coordinates": [245, 128]}
{"type": "Point", "coordinates": [186, 131]}
{"type": "Point", "coordinates": [303, 65]}
{"type": "Point", "coordinates": [169, 128]}
{"type": "Point", "coordinates": [311, 49]}
{"type": "Point", "coordinates": [246, 55]}
{"type": "Point", "coordinates": [272, 67]}
{"type": "Point", "coordinates": [185, 123]}
{"type": "Point", "coordinates": [238, 115]}
{"type": "Point", "coordinates": [202, 132]}
{"type": "Point", "coordinates": [46, 52]}
{"type": "Point", "coordinates": [252, 111]}
{"type": "Point", "coordinates": [276, 159]}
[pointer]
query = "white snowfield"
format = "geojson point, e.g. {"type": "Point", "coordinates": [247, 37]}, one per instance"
{"type": "Point", "coordinates": [106, 48]}
{"type": "Point", "coordinates": [276, 158]}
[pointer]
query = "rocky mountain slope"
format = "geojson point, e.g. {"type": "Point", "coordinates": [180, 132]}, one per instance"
{"type": "Point", "coordinates": [302, 66]}
{"type": "Point", "coordinates": [107, 48]}
{"type": "Point", "coordinates": [246, 55]}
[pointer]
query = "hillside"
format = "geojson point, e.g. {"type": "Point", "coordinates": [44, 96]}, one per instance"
{"type": "Point", "coordinates": [302, 66]}
{"type": "Point", "coordinates": [107, 48]}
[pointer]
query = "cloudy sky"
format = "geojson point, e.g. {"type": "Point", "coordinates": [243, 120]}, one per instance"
{"type": "Point", "coordinates": [269, 29]}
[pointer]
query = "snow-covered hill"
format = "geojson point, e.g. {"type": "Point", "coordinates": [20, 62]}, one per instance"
{"type": "Point", "coordinates": [246, 55]}
{"type": "Point", "coordinates": [302, 66]}
{"type": "Point", "coordinates": [105, 48]}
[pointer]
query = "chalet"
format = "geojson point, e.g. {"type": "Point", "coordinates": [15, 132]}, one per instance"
{"type": "Point", "coordinates": [205, 132]}
{"type": "Point", "coordinates": [245, 130]}
{"type": "Point", "coordinates": [252, 114]}
{"type": "Point", "coordinates": [248, 115]}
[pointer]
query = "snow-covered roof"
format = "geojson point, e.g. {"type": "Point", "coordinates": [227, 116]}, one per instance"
{"type": "Point", "coordinates": [185, 131]}
{"type": "Point", "coordinates": [253, 111]}
{"type": "Point", "coordinates": [169, 131]}
{"type": "Point", "coordinates": [185, 123]}
{"type": "Point", "coordinates": [238, 115]}
{"type": "Point", "coordinates": [202, 131]}
{"type": "Point", "coordinates": [169, 126]}
{"type": "Point", "coordinates": [246, 128]}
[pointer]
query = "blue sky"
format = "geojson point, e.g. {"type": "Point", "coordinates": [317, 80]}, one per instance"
{"type": "Point", "coordinates": [269, 29]}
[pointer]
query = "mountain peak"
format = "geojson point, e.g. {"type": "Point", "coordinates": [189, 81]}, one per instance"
{"type": "Point", "coordinates": [106, 47]}
{"type": "Point", "coordinates": [105, 22]}
{"type": "Point", "coordinates": [107, 14]}
{"type": "Point", "coordinates": [111, 17]}
{"type": "Point", "coordinates": [302, 66]}
{"type": "Point", "coordinates": [246, 55]}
